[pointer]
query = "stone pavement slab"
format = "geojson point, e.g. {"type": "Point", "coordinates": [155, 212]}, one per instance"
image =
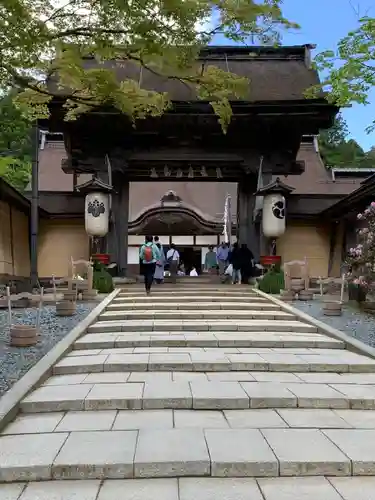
{"type": "Point", "coordinates": [167, 395]}
{"type": "Point", "coordinates": [254, 419]}
{"type": "Point", "coordinates": [318, 396]}
{"type": "Point", "coordinates": [87, 421]}
{"type": "Point", "coordinates": [306, 452]}
{"type": "Point", "coordinates": [269, 395]}
{"type": "Point", "coordinates": [362, 397]}
{"type": "Point", "coordinates": [80, 364]}
{"type": "Point", "coordinates": [208, 488]}
{"type": "Point", "coordinates": [143, 419]}
{"type": "Point", "coordinates": [11, 491]}
{"type": "Point", "coordinates": [298, 488]}
{"type": "Point", "coordinates": [29, 457]}
{"type": "Point", "coordinates": [56, 398]}
{"type": "Point", "coordinates": [358, 445]}
{"type": "Point", "coordinates": [218, 395]}
{"type": "Point", "coordinates": [360, 419]}
{"type": "Point", "coordinates": [313, 418]}
{"type": "Point", "coordinates": [62, 490]}
{"type": "Point", "coordinates": [171, 453]}
{"type": "Point", "coordinates": [140, 489]}
{"type": "Point", "coordinates": [96, 455]}
{"type": "Point", "coordinates": [115, 396]}
{"type": "Point", "coordinates": [354, 488]}
{"type": "Point", "coordinates": [240, 453]}
{"type": "Point", "coordinates": [34, 424]}
{"type": "Point", "coordinates": [202, 419]}
{"type": "Point", "coordinates": [282, 377]}
{"type": "Point", "coordinates": [67, 379]}
{"type": "Point", "coordinates": [108, 378]}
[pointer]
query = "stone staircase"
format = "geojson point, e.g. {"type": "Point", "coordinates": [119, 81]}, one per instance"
{"type": "Point", "coordinates": [193, 393]}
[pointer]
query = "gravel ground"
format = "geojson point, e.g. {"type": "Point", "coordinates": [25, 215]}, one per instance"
{"type": "Point", "coordinates": [16, 361]}
{"type": "Point", "coordinates": [353, 322]}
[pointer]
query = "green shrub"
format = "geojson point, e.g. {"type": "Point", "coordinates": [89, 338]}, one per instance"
{"type": "Point", "coordinates": [273, 281]}
{"type": "Point", "coordinates": [102, 280]}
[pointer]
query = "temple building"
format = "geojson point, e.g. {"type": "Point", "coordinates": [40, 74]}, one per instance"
{"type": "Point", "coordinates": [170, 176]}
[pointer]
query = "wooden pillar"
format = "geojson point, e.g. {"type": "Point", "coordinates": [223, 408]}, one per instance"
{"type": "Point", "coordinates": [246, 228]}
{"type": "Point", "coordinates": [118, 232]}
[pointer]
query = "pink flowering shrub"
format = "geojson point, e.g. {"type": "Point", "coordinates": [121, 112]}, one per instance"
{"type": "Point", "coordinates": [361, 257]}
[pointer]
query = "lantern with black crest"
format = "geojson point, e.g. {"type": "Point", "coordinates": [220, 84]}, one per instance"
{"type": "Point", "coordinates": [274, 208]}
{"type": "Point", "coordinates": [96, 206]}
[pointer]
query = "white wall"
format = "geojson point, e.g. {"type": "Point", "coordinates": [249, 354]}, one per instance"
{"type": "Point", "coordinates": [133, 255]}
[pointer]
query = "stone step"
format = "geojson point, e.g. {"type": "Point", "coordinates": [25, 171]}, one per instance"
{"type": "Point", "coordinates": [188, 292]}
{"type": "Point", "coordinates": [201, 325]}
{"type": "Point", "coordinates": [172, 298]}
{"type": "Point", "coordinates": [211, 362]}
{"type": "Point", "coordinates": [207, 339]}
{"type": "Point", "coordinates": [121, 305]}
{"type": "Point", "coordinates": [211, 350]}
{"type": "Point", "coordinates": [340, 379]}
{"type": "Point", "coordinates": [197, 395]}
{"type": "Point", "coordinates": [192, 452]}
{"type": "Point", "coordinates": [111, 315]}
{"type": "Point", "coordinates": [202, 488]}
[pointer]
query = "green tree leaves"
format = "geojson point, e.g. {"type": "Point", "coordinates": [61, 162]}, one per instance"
{"type": "Point", "coordinates": [349, 72]}
{"type": "Point", "coordinates": [15, 144]}
{"type": "Point", "coordinates": [338, 151]}
{"type": "Point", "coordinates": [40, 39]}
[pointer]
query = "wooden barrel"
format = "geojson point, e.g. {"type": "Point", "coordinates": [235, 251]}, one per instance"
{"type": "Point", "coordinates": [23, 335]}
{"type": "Point", "coordinates": [65, 308]}
{"type": "Point", "coordinates": [21, 303]}
{"type": "Point", "coordinates": [305, 295]}
{"type": "Point", "coordinates": [297, 284]}
{"type": "Point", "coordinates": [70, 296]}
{"type": "Point", "coordinates": [333, 308]}
{"type": "Point", "coordinates": [287, 295]}
{"type": "Point", "coordinates": [89, 294]}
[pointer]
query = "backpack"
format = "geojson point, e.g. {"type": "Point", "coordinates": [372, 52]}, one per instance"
{"type": "Point", "coordinates": [148, 254]}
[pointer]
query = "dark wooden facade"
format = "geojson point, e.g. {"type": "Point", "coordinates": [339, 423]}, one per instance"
{"type": "Point", "coordinates": [187, 144]}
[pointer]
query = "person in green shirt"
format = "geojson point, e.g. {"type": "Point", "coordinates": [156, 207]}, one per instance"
{"type": "Point", "coordinates": [210, 261]}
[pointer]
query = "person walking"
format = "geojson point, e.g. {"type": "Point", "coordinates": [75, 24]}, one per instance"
{"type": "Point", "coordinates": [222, 257]}
{"type": "Point", "coordinates": [210, 261]}
{"type": "Point", "coordinates": [173, 259]}
{"type": "Point", "coordinates": [159, 269]}
{"type": "Point", "coordinates": [149, 255]}
{"type": "Point", "coordinates": [235, 259]}
{"type": "Point", "coordinates": [246, 259]}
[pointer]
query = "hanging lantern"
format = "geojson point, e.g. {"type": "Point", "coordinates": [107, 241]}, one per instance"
{"type": "Point", "coordinates": [96, 206]}
{"type": "Point", "coordinates": [274, 208]}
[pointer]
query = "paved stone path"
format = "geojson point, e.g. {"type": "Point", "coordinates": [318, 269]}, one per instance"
{"type": "Point", "coordinates": [196, 394]}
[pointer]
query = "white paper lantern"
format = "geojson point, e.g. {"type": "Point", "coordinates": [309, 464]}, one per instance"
{"type": "Point", "coordinates": [96, 213]}
{"type": "Point", "coordinates": [273, 217]}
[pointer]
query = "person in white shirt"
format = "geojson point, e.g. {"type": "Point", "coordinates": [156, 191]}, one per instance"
{"type": "Point", "coordinates": [173, 259]}
{"type": "Point", "coordinates": [193, 272]}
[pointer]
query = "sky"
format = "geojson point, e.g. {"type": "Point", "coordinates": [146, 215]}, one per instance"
{"type": "Point", "coordinates": [324, 23]}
